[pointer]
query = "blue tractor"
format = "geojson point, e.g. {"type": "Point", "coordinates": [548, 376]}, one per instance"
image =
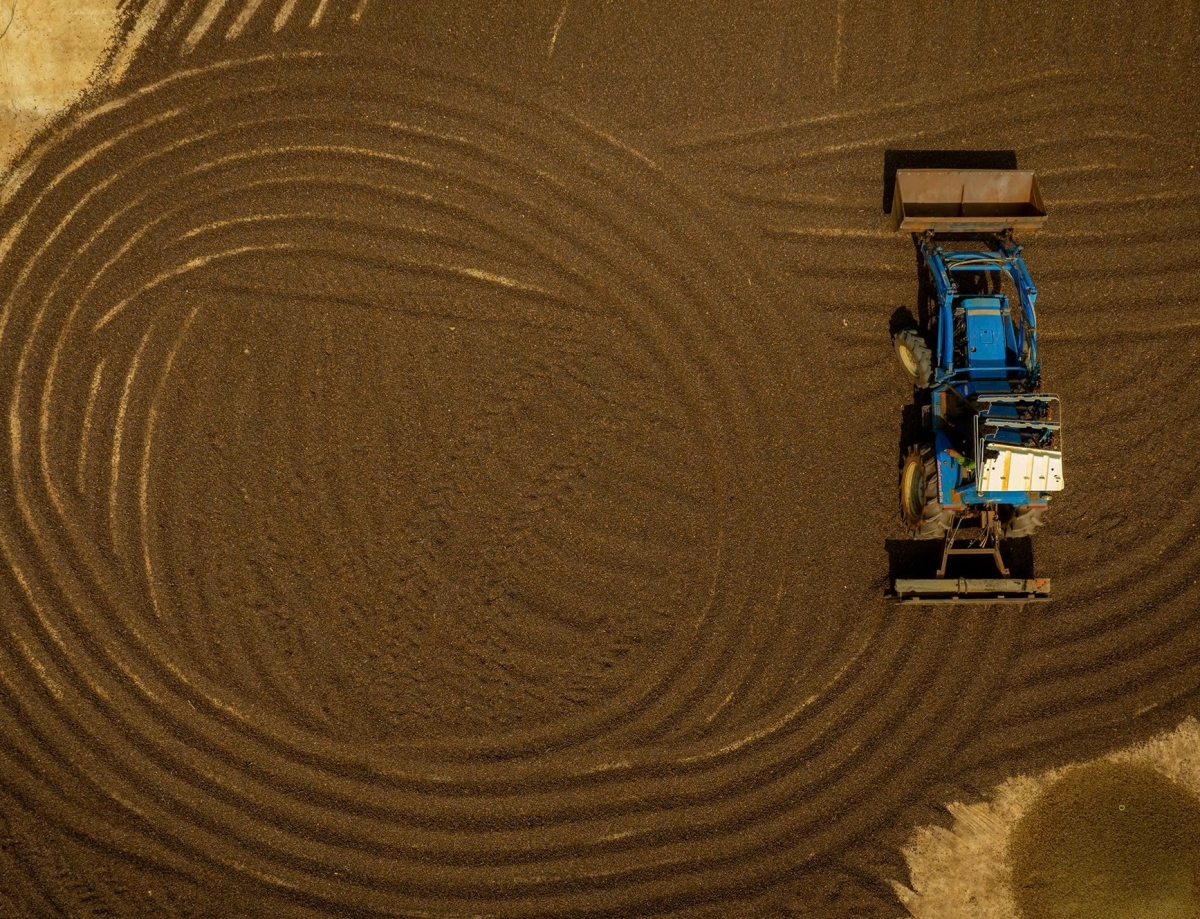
{"type": "Point", "coordinates": [991, 452]}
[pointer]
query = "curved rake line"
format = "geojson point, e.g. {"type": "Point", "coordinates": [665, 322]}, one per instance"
{"type": "Point", "coordinates": [55, 495]}
{"type": "Point", "coordinates": [191, 265]}
{"type": "Point", "coordinates": [771, 132]}
{"type": "Point", "coordinates": [132, 44]}
{"type": "Point", "coordinates": [405, 230]}
{"type": "Point", "coordinates": [243, 18]}
{"type": "Point", "coordinates": [144, 473]}
{"type": "Point", "coordinates": [557, 26]}
{"type": "Point", "coordinates": [615, 141]}
{"type": "Point", "coordinates": [284, 14]}
{"type": "Point", "coordinates": [462, 271]}
{"type": "Point", "coordinates": [1187, 326]}
{"type": "Point", "coordinates": [1136, 199]}
{"type": "Point", "coordinates": [766, 733]}
{"type": "Point", "coordinates": [1080, 168]}
{"type": "Point", "coordinates": [85, 439]}
{"type": "Point", "coordinates": [203, 23]}
{"type": "Point", "coordinates": [853, 146]}
{"type": "Point", "coordinates": [118, 433]}
{"type": "Point", "coordinates": [318, 14]}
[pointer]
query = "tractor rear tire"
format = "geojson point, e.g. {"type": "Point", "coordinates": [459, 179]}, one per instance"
{"type": "Point", "coordinates": [1025, 521]}
{"type": "Point", "coordinates": [915, 357]}
{"type": "Point", "coordinates": [920, 504]}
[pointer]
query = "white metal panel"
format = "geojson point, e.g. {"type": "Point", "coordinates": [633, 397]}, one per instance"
{"type": "Point", "coordinates": [1018, 469]}
{"type": "Point", "coordinates": [1054, 475]}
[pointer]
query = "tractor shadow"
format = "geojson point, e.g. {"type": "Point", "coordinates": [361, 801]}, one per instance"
{"type": "Point", "coordinates": [912, 428]}
{"type": "Point", "coordinates": [920, 558]}
{"type": "Point", "coordinates": [902, 318]}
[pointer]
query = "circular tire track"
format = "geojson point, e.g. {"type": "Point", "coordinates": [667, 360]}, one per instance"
{"type": "Point", "coordinates": [178, 261]}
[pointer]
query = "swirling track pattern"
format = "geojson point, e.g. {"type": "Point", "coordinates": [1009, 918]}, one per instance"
{"type": "Point", "coordinates": [397, 504]}
{"type": "Point", "coordinates": [418, 509]}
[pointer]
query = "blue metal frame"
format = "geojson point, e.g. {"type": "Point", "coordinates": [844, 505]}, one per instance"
{"type": "Point", "coordinates": [1007, 258]}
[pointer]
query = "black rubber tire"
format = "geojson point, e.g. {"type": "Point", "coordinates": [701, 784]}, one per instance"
{"type": "Point", "coordinates": [915, 357]}
{"type": "Point", "coordinates": [920, 504]}
{"type": "Point", "coordinates": [1025, 521]}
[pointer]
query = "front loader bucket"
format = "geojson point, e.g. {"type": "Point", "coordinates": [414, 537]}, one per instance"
{"type": "Point", "coordinates": [966, 201]}
{"type": "Point", "coordinates": [971, 590]}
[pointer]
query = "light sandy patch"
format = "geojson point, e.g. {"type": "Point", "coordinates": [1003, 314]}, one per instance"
{"type": "Point", "coordinates": [964, 872]}
{"type": "Point", "coordinates": [49, 53]}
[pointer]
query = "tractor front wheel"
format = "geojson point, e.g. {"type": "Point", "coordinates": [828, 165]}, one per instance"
{"type": "Point", "coordinates": [920, 504]}
{"type": "Point", "coordinates": [915, 357]}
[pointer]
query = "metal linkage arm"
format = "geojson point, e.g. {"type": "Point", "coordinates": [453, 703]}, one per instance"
{"type": "Point", "coordinates": [945, 290]}
{"type": "Point", "coordinates": [937, 268]}
{"type": "Point", "coordinates": [1027, 293]}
